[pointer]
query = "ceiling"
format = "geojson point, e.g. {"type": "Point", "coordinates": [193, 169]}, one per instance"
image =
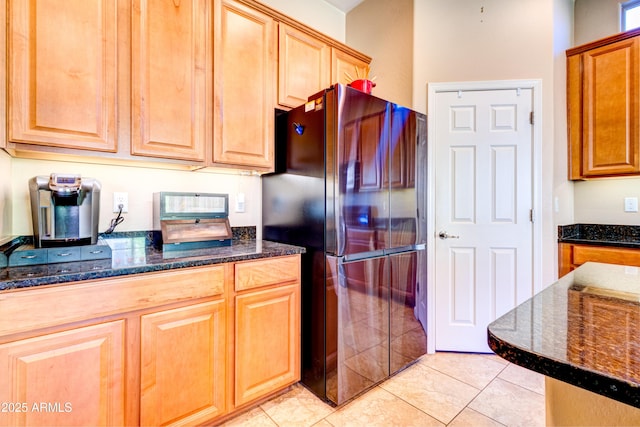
{"type": "Point", "coordinates": [344, 5]}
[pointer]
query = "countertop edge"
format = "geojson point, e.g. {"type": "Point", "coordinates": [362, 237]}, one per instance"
{"type": "Point", "coordinates": [169, 264]}
{"type": "Point", "coordinates": [610, 387]}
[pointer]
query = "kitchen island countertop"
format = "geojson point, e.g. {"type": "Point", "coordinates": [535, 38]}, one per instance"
{"type": "Point", "coordinates": [583, 330]}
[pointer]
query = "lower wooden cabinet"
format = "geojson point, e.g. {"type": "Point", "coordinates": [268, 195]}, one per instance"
{"type": "Point", "coordinates": [572, 256]}
{"type": "Point", "coordinates": [183, 368]}
{"type": "Point", "coordinates": [603, 332]}
{"type": "Point", "coordinates": [267, 342]}
{"type": "Point", "coordinates": [75, 377]}
{"type": "Point", "coordinates": [150, 349]}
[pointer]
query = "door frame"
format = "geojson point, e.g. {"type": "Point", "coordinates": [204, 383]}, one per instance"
{"type": "Point", "coordinates": [536, 167]}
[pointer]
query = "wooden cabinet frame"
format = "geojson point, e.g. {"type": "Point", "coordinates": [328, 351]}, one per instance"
{"type": "Point", "coordinates": [572, 256]}
{"type": "Point", "coordinates": [603, 107]}
{"type": "Point", "coordinates": [138, 337]}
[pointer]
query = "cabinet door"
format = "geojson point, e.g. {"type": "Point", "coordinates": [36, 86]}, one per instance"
{"type": "Point", "coordinates": [611, 139]}
{"type": "Point", "coordinates": [67, 378]}
{"type": "Point", "coordinates": [62, 73]}
{"type": "Point", "coordinates": [183, 366]}
{"type": "Point", "coordinates": [244, 86]}
{"type": "Point", "coordinates": [303, 66]}
{"type": "Point", "coordinates": [168, 80]}
{"type": "Point", "coordinates": [267, 353]}
{"type": "Point", "coordinates": [344, 65]}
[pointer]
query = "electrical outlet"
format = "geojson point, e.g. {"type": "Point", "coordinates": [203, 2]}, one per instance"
{"type": "Point", "coordinates": [120, 198]}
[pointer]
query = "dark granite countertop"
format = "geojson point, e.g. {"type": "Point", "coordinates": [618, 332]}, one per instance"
{"type": "Point", "coordinates": [623, 236]}
{"type": "Point", "coordinates": [133, 253]}
{"type": "Point", "coordinates": [583, 330]}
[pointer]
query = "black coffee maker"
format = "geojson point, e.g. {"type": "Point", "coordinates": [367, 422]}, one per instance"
{"type": "Point", "coordinates": [65, 210]}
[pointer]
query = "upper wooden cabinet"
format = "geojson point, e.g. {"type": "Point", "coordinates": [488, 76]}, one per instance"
{"type": "Point", "coordinates": [62, 73]}
{"type": "Point", "coordinates": [190, 84]}
{"type": "Point", "coordinates": [304, 66]}
{"type": "Point", "coordinates": [169, 79]}
{"type": "Point", "coordinates": [308, 64]}
{"type": "Point", "coordinates": [244, 85]}
{"type": "Point", "coordinates": [344, 65]}
{"type": "Point", "coordinates": [603, 95]}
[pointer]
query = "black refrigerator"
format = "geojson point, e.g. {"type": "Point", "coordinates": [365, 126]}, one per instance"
{"type": "Point", "coordinates": [350, 186]}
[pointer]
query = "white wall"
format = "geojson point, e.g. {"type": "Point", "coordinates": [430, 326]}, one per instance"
{"type": "Point", "coordinates": [458, 41]}
{"type": "Point", "coordinates": [391, 50]}
{"type": "Point", "coordinates": [317, 14]}
{"type": "Point", "coordinates": [140, 184]}
{"type": "Point", "coordinates": [595, 19]}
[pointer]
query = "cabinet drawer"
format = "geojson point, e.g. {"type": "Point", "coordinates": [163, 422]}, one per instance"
{"type": "Point", "coordinates": [582, 254]}
{"type": "Point", "coordinates": [28, 309]}
{"type": "Point", "coordinates": [272, 271]}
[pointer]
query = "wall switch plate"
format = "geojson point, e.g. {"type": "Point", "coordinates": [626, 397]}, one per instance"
{"type": "Point", "coordinates": [120, 198]}
{"type": "Point", "coordinates": [240, 202]}
{"type": "Point", "coordinates": [631, 204]}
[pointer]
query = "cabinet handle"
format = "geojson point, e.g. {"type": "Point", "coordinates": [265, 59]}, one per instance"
{"type": "Point", "coordinates": [28, 256]}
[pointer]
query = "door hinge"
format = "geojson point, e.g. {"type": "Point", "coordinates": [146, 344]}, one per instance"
{"type": "Point", "coordinates": [531, 215]}
{"type": "Point", "coordinates": [531, 117]}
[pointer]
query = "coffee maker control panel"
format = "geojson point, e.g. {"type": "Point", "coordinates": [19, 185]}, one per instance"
{"type": "Point", "coordinates": [62, 183]}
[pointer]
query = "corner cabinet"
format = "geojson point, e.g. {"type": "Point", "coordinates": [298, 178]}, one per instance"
{"type": "Point", "coordinates": [603, 107]}
{"type": "Point", "coordinates": [243, 85]}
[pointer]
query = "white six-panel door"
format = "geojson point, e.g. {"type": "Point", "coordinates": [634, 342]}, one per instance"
{"type": "Point", "coordinates": [483, 211]}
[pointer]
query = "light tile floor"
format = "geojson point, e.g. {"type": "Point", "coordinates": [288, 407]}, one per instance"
{"type": "Point", "coordinates": [452, 389]}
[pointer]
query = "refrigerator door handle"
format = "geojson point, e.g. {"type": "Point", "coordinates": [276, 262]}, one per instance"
{"type": "Point", "coordinates": [409, 248]}
{"type": "Point", "coordinates": [363, 255]}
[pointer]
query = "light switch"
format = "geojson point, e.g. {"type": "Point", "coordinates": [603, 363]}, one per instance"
{"type": "Point", "coordinates": [631, 204]}
{"type": "Point", "coordinates": [240, 202]}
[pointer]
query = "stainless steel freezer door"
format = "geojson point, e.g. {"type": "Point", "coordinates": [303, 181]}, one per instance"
{"type": "Point", "coordinates": [357, 327]}
{"type": "Point", "coordinates": [406, 334]}
{"type": "Point", "coordinates": [372, 320]}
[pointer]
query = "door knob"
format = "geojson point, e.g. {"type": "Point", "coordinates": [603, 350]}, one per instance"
{"type": "Point", "coordinates": [443, 235]}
